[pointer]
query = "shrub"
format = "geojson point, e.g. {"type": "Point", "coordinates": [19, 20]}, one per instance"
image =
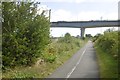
{"type": "Point", "coordinates": [50, 52]}
{"type": "Point", "coordinates": [25, 33]}
{"type": "Point", "coordinates": [109, 42]}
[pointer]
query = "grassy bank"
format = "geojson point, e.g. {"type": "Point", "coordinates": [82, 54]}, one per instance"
{"type": "Point", "coordinates": [107, 64]}
{"type": "Point", "coordinates": [0, 56]}
{"type": "Point", "coordinates": [54, 55]}
{"type": "Point", "coordinates": [107, 52]}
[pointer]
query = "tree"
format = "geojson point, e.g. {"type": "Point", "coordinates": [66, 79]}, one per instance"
{"type": "Point", "coordinates": [109, 30]}
{"type": "Point", "coordinates": [88, 35]}
{"type": "Point", "coordinates": [68, 38]}
{"type": "Point", "coordinates": [25, 33]}
{"type": "Point", "coordinates": [96, 37]}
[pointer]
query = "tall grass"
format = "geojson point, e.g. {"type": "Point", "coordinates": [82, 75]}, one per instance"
{"type": "Point", "coordinates": [108, 65]}
{"type": "Point", "coordinates": [54, 55]}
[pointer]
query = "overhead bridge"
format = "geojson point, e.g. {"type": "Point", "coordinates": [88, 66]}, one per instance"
{"type": "Point", "coordinates": [86, 24]}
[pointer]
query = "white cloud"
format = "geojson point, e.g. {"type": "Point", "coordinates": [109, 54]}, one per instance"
{"type": "Point", "coordinates": [61, 31]}
{"type": "Point", "coordinates": [89, 15]}
{"type": "Point", "coordinates": [95, 15]}
{"type": "Point", "coordinates": [64, 15]}
{"type": "Point", "coordinates": [71, 1]}
{"type": "Point", "coordinates": [61, 15]}
{"type": "Point", "coordinates": [42, 8]}
{"type": "Point", "coordinates": [78, 1]}
{"type": "Point", "coordinates": [112, 16]}
{"type": "Point", "coordinates": [108, 1]}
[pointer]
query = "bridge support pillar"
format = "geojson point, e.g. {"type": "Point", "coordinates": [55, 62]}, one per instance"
{"type": "Point", "coordinates": [82, 32]}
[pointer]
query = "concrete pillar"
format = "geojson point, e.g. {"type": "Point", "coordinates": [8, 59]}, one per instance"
{"type": "Point", "coordinates": [82, 32]}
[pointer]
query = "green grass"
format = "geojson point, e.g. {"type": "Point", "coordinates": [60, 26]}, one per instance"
{"type": "Point", "coordinates": [0, 56]}
{"type": "Point", "coordinates": [0, 40]}
{"type": "Point", "coordinates": [107, 64]}
{"type": "Point", "coordinates": [0, 64]}
{"type": "Point", "coordinates": [44, 69]}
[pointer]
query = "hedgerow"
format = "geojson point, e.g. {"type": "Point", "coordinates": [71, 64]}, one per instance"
{"type": "Point", "coordinates": [25, 33]}
{"type": "Point", "coordinates": [109, 43]}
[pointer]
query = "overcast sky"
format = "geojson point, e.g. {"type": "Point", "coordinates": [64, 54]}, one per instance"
{"type": "Point", "coordinates": [80, 10]}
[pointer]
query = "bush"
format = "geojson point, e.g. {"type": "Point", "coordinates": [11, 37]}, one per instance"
{"type": "Point", "coordinates": [109, 42]}
{"type": "Point", "coordinates": [50, 53]}
{"type": "Point", "coordinates": [67, 38]}
{"type": "Point", "coordinates": [25, 33]}
{"type": "Point", "coordinates": [60, 47]}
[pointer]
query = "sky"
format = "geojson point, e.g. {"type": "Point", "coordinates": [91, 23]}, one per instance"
{"type": "Point", "coordinates": [80, 10]}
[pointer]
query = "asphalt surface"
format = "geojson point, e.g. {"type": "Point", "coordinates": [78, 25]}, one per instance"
{"type": "Point", "coordinates": [82, 64]}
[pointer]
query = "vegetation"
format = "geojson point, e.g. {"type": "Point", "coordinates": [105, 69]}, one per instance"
{"type": "Point", "coordinates": [88, 35]}
{"type": "Point", "coordinates": [109, 43]}
{"type": "Point", "coordinates": [54, 55]}
{"type": "Point", "coordinates": [25, 34]}
{"type": "Point", "coordinates": [27, 51]}
{"type": "Point", "coordinates": [107, 51]}
{"type": "Point", "coordinates": [108, 65]}
{"type": "Point", "coordinates": [0, 55]}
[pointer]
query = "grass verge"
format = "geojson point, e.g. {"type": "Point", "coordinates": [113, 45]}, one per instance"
{"type": "Point", "coordinates": [44, 69]}
{"type": "Point", "coordinates": [0, 56]}
{"type": "Point", "coordinates": [108, 65]}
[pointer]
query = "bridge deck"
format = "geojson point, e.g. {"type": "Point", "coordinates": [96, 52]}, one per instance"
{"type": "Point", "coordinates": [86, 24]}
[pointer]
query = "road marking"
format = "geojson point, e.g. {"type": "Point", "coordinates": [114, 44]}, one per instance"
{"type": "Point", "coordinates": [69, 74]}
